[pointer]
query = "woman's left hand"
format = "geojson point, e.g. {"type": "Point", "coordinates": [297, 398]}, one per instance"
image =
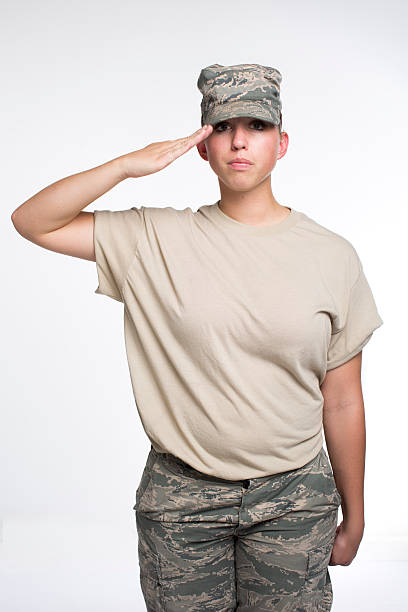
{"type": "Point", "coordinates": [346, 543]}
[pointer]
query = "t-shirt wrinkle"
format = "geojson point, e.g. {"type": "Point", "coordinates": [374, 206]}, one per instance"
{"type": "Point", "coordinates": [230, 329]}
{"type": "Point", "coordinates": [135, 253]}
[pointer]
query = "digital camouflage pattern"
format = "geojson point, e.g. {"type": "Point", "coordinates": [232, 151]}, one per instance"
{"type": "Point", "coordinates": [208, 544]}
{"type": "Point", "coordinates": [241, 90]}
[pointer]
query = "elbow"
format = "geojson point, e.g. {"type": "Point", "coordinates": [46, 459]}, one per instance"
{"type": "Point", "coordinates": [17, 225]}
{"type": "Point", "coordinates": [14, 220]}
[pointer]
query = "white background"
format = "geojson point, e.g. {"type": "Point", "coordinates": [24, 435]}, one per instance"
{"type": "Point", "coordinates": [84, 82]}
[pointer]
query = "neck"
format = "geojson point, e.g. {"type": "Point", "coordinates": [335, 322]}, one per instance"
{"type": "Point", "coordinates": [252, 207]}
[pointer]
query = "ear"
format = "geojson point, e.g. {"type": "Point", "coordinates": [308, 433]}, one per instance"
{"type": "Point", "coordinates": [283, 144]}
{"type": "Point", "coordinates": [202, 149]}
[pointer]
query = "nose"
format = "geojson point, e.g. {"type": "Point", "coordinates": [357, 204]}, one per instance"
{"type": "Point", "coordinates": [239, 139]}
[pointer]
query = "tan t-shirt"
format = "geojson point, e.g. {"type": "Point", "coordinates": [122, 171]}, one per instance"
{"type": "Point", "coordinates": [230, 329]}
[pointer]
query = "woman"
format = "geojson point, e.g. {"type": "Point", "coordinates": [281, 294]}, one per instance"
{"type": "Point", "coordinates": [244, 326]}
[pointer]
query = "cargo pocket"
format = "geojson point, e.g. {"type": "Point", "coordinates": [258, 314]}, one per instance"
{"type": "Point", "coordinates": [150, 579]}
{"type": "Point", "coordinates": [317, 591]}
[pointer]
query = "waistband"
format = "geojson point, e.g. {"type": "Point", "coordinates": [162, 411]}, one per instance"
{"type": "Point", "coordinates": [181, 467]}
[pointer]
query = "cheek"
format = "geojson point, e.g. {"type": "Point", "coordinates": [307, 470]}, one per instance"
{"type": "Point", "coordinates": [268, 151]}
{"type": "Point", "coordinates": [212, 149]}
{"type": "Point", "coordinates": [268, 158]}
{"type": "Point", "coordinates": [214, 156]}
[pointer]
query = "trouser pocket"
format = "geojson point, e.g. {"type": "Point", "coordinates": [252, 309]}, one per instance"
{"type": "Point", "coordinates": [317, 592]}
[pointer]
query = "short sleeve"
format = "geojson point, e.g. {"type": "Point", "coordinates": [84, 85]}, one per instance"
{"type": "Point", "coordinates": [356, 323]}
{"type": "Point", "coordinates": [116, 234]}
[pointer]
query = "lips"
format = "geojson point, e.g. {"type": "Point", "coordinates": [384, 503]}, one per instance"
{"type": "Point", "coordinates": [240, 160]}
{"type": "Point", "coordinates": [240, 164]}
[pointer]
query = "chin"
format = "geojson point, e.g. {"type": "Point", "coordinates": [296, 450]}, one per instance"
{"type": "Point", "coordinates": [239, 187]}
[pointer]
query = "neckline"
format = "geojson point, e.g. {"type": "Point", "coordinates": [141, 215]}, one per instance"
{"type": "Point", "coordinates": [234, 225]}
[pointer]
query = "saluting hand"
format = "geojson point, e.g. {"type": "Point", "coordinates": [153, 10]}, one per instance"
{"type": "Point", "coordinates": [158, 155]}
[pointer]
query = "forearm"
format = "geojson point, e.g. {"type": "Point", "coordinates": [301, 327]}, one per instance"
{"type": "Point", "coordinates": [345, 434]}
{"type": "Point", "coordinates": [59, 203]}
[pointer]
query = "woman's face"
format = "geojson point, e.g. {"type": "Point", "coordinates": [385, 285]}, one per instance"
{"type": "Point", "coordinates": [243, 137]}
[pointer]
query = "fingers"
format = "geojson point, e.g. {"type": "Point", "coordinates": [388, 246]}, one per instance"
{"type": "Point", "coordinates": [204, 129]}
{"type": "Point", "coordinates": [189, 141]}
{"type": "Point", "coordinates": [172, 149]}
{"type": "Point", "coordinates": [157, 155]}
{"type": "Point", "coordinates": [197, 135]}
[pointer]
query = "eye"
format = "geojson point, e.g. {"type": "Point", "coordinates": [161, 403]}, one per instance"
{"type": "Point", "coordinates": [223, 125]}
{"type": "Point", "coordinates": [260, 123]}
{"type": "Point", "coordinates": [218, 127]}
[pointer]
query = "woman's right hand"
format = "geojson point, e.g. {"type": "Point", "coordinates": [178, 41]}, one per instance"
{"type": "Point", "coordinates": [158, 155]}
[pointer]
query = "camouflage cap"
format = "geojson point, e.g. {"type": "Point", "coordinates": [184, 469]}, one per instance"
{"type": "Point", "coordinates": [242, 90]}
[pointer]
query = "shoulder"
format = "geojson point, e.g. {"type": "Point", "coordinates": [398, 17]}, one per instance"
{"type": "Point", "coordinates": [142, 215]}
{"type": "Point", "coordinates": [164, 213]}
{"type": "Point", "coordinates": [166, 221]}
{"type": "Point", "coordinates": [336, 252]}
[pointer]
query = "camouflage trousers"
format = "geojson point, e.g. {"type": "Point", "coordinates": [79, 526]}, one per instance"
{"type": "Point", "coordinates": [208, 544]}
